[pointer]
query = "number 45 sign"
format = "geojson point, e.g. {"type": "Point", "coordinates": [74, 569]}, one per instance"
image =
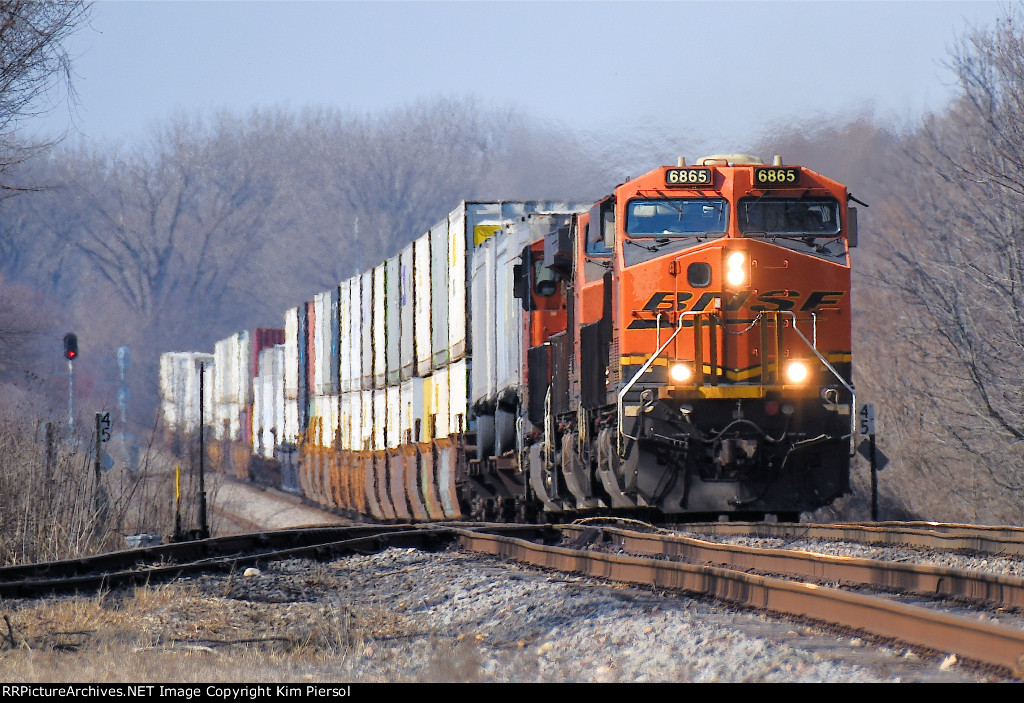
{"type": "Point", "coordinates": [866, 419]}
{"type": "Point", "coordinates": [103, 425]}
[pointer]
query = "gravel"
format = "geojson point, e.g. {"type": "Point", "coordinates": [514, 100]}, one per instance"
{"type": "Point", "coordinates": [454, 616]}
{"type": "Point", "coordinates": [987, 563]}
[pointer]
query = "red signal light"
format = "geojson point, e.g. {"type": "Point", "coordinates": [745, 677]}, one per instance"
{"type": "Point", "coordinates": [70, 346]}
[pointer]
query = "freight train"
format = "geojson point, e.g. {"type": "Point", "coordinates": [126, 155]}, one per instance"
{"type": "Point", "coordinates": [680, 349]}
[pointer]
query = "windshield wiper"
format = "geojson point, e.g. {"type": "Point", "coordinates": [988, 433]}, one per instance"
{"type": "Point", "coordinates": [642, 246]}
{"type": "Point", "coordinates": [662, 242]}
{"type": "Point", "coordinates": [810, 239]}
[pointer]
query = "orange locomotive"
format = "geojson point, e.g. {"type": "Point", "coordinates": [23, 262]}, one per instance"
{"type": "Point", "coordinates": [703, 363]}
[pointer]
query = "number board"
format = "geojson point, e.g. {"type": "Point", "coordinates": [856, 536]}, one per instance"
{"type": "Point", "coordinates": [776, 177]}
{"type": "Point", "coordinates": [866, 419]}
{"type": "Point", "coordinates": [103, 423]}
{"type": "Point", "coordinates": [688, 177]}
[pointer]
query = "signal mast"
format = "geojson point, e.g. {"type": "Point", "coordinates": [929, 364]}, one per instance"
{"type": "Point", "coordinates": [71, 353]}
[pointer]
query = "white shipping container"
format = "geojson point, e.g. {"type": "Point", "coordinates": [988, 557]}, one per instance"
{"type": "Point", "coordinates": [482, 329]}
{"type": "Point", "coordinates": [366, 423]}
{"type": "Point", "coordinates": [209, 383]}
{"type": "Point", "coordinates": [380, 410]}
{"type": "Point", "coordinates": [355, 319]}
{"type": "Point", "coordinates": [231, 356]}
{"type": "Point", "coordinates": [411, 414]}
{"type": "Point", "coordinates": [393, 318]}
{"type": "Point", "coordinates": [278, 392]}
{"type": "Point", "coordinates": [334, 342]}
{"type": "Point", "coordinates": [458, 314]}
{"type": "Point", "coordinates": [291, 421]}
{"type": "Point", "coordinates": [324, 419]}
{"type": "Point", "coordinates": [260, 396]}
{"type": "Point", "coordinates": [440, 353]}
{"type": "Point", "coordinates": [422, 290]}
{"type": "Point", "coordinates": [179, 389]}
{"type": "Point", "coordinates": [320, 320]}
{"type": "Point", "coordinates": [438, 403]}
{"type": "Point", "coordinates": [392, 423]}
{"type": "Point", "coordinates": [227, 417]}
{"type": "Point", "coordinates": [344, 422]}
{"type": "Point", "coordinates": [291, 355]}
{"type": "Point", "coordinates": [458, 384]}
{"type": "Point", "coordinates": [267, 421]}
{"type": "Point", "coordinates": [407, 323]}
{"type": "Point", "coordinates": [426, 411]}
{"type": "Point", "coordinates": [344, 344]}
{"type": "Point", "coordinates": [168, 397]}
{"type": "Point", "coordinates": [366, 331]}
{"type": "Point", "coordinates": [379, 327]}
{"type": "Point", "coordinates": [355, 418]}
{"type": "Point", "coordinates": [325, 340]}
{"type": "Point", "coordinates": [232, 391]}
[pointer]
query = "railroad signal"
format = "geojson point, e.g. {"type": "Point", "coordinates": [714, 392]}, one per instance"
{"type": "Point", "coordinates": [70, 346]}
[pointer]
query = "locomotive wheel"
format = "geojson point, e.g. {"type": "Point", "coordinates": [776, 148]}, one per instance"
{"type": "Point", "coordinates": [527, 510]}
{"type": "Point", "coordinates": [482, 509]}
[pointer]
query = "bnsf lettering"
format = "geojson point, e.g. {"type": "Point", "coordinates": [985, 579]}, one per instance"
{"type": "Point", "coordinates": [662, 302]}
{"type": "Point", "coordinates": [769, 301]}
{"type": "Point", "coordinates": [781, 299]}
{"type": "Point", "coordinates": [821, 297]}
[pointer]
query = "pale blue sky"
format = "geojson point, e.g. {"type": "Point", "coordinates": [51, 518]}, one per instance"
{"type": "Point", "coordinates": [715, 72]}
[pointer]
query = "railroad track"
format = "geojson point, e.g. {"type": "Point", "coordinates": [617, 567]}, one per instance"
{"type": "Point", "coordinates": [1001, 540]}
{"type": "Point", "coordinates": [778, 581]}
{"type": "Point", "coordinates": [151, 564]}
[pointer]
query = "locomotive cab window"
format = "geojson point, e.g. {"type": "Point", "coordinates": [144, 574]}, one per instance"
{"type": "Point", "coordinates": [813, 217]}
{"type": "Point", "coordinates": [600, 232]}
{"type": "Point", "coordinates": [676, 217]}
{"type": "Point", "coordinates": [544, 282]}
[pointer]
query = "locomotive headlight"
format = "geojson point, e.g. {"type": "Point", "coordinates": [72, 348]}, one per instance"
{"type": "Point", "coordinates": [735, 269]}
{"type": "Point", "coordinates": [796, 372]}
{"type": "Point", "coordinates": [680, 373]}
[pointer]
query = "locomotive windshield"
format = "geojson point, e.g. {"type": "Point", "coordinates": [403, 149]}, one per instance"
{"type": "Point", "coordinates": [802, 217]}
{"type": "Point", "coordinates": [676, 217]}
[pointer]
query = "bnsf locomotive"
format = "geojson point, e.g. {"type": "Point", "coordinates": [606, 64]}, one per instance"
{"type": "Point", "coordinates": [678, 350]}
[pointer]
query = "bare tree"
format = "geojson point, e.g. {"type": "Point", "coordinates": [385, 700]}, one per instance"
{"type": "Point", "coordinates": [174, 225]}
{"type": "Point", "coordinates": [369, 184]}
{"type": "Point", "coordinates": [34, 66]}
{"type": "Point", "coordinates": [955, 236]}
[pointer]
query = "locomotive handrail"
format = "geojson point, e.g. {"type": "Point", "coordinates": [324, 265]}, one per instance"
{"type": "Point", "coordinates": [636, 377]}
{"type": "Point", "coordinates": [548, 449]}
{"type": "Point", "coordinates": [679, 327]}
{"type": "Point", "coordinates": [824, 361]}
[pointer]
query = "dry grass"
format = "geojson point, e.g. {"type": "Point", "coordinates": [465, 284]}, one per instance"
{"type": "Point", "coordinates": [53, 507]}
{"type": "Point", "coordinates": [172, 632]}
{"type": "Point", "coordinates": [208, 630]}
